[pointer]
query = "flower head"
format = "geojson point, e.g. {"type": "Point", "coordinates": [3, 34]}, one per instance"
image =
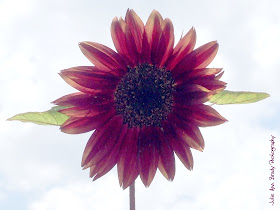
{"type": "Point", "coordinates": [145, 101]}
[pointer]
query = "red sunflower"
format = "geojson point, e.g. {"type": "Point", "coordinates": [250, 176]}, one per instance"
{"type": "Point", "coordinates": [144, 101]}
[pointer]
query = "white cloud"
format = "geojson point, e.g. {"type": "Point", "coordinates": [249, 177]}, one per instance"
{"type": "Point", "coordinates": [11, 9]}
{"type": "Point", "coordinates": [83, 195]}
{"type": "Point", "coordinates": [2, 196]}
{"type": "Point", "coordinates": [40, 39]}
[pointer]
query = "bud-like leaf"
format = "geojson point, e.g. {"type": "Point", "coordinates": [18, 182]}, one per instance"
{"type": "Point", "coordinates": [50, 117]}
{"type": "Point", "coordinates": [237, 97]}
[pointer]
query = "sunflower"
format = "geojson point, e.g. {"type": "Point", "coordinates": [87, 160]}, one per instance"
{"type": "Point", "coordinates": [144, 102]}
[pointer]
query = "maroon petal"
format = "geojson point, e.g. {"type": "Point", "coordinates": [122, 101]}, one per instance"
{"type": "Point", "coordinates": [118, 37]}
{"type": "Point", "coordinates": [197, 59]}
{"type": "Point", "coordinates": [201, 115]}
{"type": "Point", "coordinates": [205, 54]}
{"type": "Point", "coordinates": [76, 125]}
{"type": "Point", "coordinates": [153, 31]}
{"type": "Point", "coordinates": [183, 152]}
{"type": "Point", "coordinates": [136, 27]}
{"type": "Point", "coordinates": [108, 162]}
{"type": "Point", "coordinates": [166, 43]}
{"type": "Point", "coordinates": [146, 49]}
{"type": "Point", "coordinates": [127, 163]}
{"type": "Point", "coordinates": [152, 26]}
{"type": "Point", "coordinates": [181, 149]}
{"type": "Point", "coordinates": [103, 57]}
{"type": "Point", "coordinates": [166, 163]}
{"type": "Point", "coordinates": [102, 142]}
{"type": "Point", "coordinates": [85, 72]}
{"type": "Point", "coordinates": [189, 76]}
{"type": "Point", "coordinates": [219, 76]}
{"type": "Point", "coordinates": [192, 94]}
{"type": "Point", "coordinates": [131, 45]}
{"type": "Point", "coordinates": [82, 99]}
{"type": "Point", "coordinates": [205, 73]}
{"type": "Point", "coordinates": [147, 154]}
{"type": "Point", "coordinates": [184, 47]}
{"type": "Point", "coordinates": [187, 133]}
{"type": "Point", "coordinates": [211, 84]}
{"type": "Point", "coordinates": [79, 87]}
{"type": "Point", "coordinates": [88, 111]}
{"type": "Point", "coordinates": [91, 78]}
{"type": "Point", "coordinates": [119, 31]}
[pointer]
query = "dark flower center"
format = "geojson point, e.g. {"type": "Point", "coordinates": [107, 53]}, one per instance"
{"type": "Point", "coordinates": [144, 96]}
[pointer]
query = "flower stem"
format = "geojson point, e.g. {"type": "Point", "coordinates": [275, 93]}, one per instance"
{"type": "Point", "coordinates": [132, 196]}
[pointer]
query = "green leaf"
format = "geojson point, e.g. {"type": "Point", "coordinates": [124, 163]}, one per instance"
{"type": "Point", "coordinates": [50, 117]}
{"type": "Point", "coordinates": [237, 97]}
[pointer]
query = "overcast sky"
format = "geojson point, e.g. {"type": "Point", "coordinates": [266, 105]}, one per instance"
{"type": "Point", "coordinates": [40, 166]}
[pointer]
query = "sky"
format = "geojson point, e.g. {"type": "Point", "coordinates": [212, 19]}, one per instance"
{"type": "Point", "coordinates": [40, 166]}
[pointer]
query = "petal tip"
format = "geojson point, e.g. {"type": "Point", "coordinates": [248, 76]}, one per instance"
{"type": "Point", "coordinates": [81, 44]}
